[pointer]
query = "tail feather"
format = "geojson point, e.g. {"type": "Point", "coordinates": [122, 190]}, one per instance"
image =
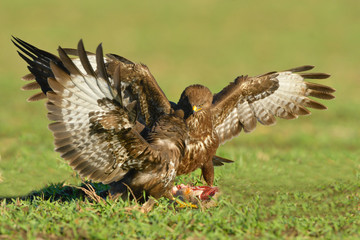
{"type": "Point", "coordinates": [219, 161]}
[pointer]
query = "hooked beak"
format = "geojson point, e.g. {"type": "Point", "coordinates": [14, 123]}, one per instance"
{"type": "Point", "coordinates": [196, 109]}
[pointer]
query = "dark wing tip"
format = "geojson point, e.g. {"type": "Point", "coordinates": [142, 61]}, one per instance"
{"type": "Point", "coordinates": [84, 59]}
{"type": "Point", "coordinates": [100, 63]}
{"type": "Point", "coordinates": [315, 75]}
{"type": "Point", "coordinates": [313, 104]}
{"type": "Point", "coordinates": [301, 68]}
{"type": "Point", "coordinates": [120, 58]}
{"type": "Point", "coordinates": [37, 97]}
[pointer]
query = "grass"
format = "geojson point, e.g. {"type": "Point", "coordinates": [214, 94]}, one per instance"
{"type": "Point", "coordinates": [298, 179]}
{"type": "Point", "coordinates": [329, 211]}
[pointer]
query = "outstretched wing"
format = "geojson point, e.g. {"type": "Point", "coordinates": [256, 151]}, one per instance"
{"type": "Point", "coordinates": [250, 99]}
{"type": "Point", "coordinates": [137, 83]}
{"type": "Point", "coordinates": [93, 130]}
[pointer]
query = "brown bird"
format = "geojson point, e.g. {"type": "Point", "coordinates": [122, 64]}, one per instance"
{"type": "Point", "coordinates": [114, 124]}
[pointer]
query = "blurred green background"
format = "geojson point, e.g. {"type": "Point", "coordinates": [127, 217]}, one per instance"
{"type": "Point", "coordinates": [184, 42]}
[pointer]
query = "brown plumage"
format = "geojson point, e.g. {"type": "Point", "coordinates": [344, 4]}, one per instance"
{"type": "Point", "coordinates": [114, 124]}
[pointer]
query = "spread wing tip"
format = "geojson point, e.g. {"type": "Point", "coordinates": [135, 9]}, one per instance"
{"type": "Point", "coordinates": [37, 97]}
{"type": "Point", "coordinates": [315, 75]}
{"type": "Point", "coordinates": [28, 77]}
{"type": "Point", "coordinates": [308, 75]}
{"type": "Point", "coordinates": [30, 86]}
{"type": "Point", "coordinates": [300, 69]}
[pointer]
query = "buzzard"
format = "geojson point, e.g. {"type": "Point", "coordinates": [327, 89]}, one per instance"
{"type": "Point", "coordinates": [114, 124]}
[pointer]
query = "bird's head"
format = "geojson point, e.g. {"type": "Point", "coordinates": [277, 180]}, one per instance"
{"type": "Point", "coordinates": [194, 99]}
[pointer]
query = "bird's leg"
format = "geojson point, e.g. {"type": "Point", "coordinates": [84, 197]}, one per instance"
{"type": "Point", "coordinates": [208, 172]}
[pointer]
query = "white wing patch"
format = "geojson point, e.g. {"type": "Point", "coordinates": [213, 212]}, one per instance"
{"type": "Point", "coordinates": [92, 60]}
{"type": "Point", "coordinates": [288, 101]}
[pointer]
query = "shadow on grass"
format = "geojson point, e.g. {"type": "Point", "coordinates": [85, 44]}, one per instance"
{"type": "Point", "coordinates": [63, 192]}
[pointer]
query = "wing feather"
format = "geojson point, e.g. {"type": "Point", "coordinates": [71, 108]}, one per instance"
{"type": "Point", "coordinates": [140, 85]}
{"type": "Point", "coordinates": [98, 144]}
{"type": "Point", "coordinates": [130, 81]}
{"type": "Point", "coordinates": [264, 97]}
{"type": "Point", "coordinates": [262, 114]}
{"type": "Point", "coordinates": [37, 97]}
{"type": "Point", "coordinates": [31, 86]}
{"type": "Point", "coordinates": [93, 129]}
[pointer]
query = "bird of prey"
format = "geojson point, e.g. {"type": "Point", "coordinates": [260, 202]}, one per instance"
{"type": "Point", "coordinates": [114, 124]}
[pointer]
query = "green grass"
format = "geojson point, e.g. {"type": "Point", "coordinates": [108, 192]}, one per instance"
{"type": "Point", "coordinates": [298, 179]}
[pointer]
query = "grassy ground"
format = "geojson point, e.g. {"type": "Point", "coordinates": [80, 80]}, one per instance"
{"type": "Point", "coordinates": [298, 179]}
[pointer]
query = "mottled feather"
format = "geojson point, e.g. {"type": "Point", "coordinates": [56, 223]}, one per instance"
{"type": "Point", "coordinates": [281, 94]}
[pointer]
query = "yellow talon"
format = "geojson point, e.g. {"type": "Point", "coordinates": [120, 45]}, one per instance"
{"type": "Point", "coordinates": [183, 204]}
